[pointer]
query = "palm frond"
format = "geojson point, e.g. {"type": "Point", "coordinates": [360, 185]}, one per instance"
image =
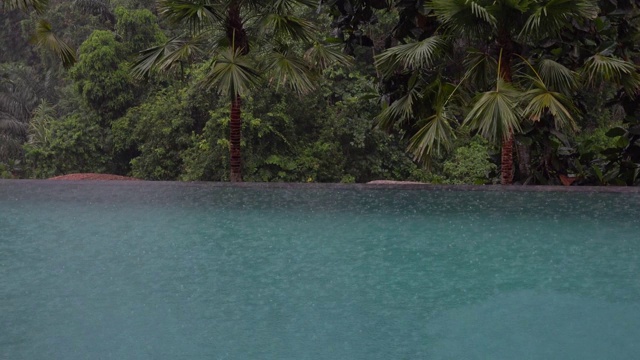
{"type": "Point", "coordinates": [38, 6]}
{"type": "Point", "coordinates": [196, 14]}
{"type": "Point", "coordinates": [9, 124]}
{"type": "Point", "coordinates": [289, 27]}
{"type": "Point", "coordinates": [553, 15]}
{"type": "Point", "coordinates": [231, 73]}
{"type": "Point", "coordinates": [291, 71]}
{"type": "Point", "coordinates": [321, 56]}
{"type": "Point", "coordinates": [434, 138]}
{"type": "Point", "coordinates": [435, 135]}
{"type": "Point", "coordinates": [557, 76]}
{"type": "Point", "coordinates": [44, 36]}
{"type": "Point", "coordinates": [421, 54]}
{"type": "Point", "coordinates": [168, 55]}
{"type": "Point", "coordinates": [288, 6]}
{"type": "Point", "coordinates": [462, 15]}
{"type": "Point", "coordinates": [481, 69]}
{"type": "Point", "coordinates": [398, 111]}
{"type": "Point", "coordinates": [14, 104]}
{"type": "Point", "coordinates": [599, 68]}
{"type": "Point", "coordinates": [541, 101]}
{"type": "Point", "coordinates": [495, 114]}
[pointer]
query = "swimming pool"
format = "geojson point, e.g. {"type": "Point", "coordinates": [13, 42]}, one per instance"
{"type": "Point", "coordinates": [140, 270]}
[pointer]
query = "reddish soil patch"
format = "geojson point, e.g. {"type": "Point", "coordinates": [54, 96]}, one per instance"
{"type": "Point", "coordinates": [92, 176]}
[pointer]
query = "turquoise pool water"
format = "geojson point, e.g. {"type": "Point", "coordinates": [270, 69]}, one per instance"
{"type": "Point", "coordinates": [101, 270]}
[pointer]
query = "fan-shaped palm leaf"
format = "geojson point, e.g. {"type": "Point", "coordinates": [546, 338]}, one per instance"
{"type": "Point", "coordinates": [434, 138]}
{"type": "Point", "coordinates": [496, 114]}
{"type": "Point", "coordinates": [44, 36]}
{"type": "Point", "coordinates": [553, 15]}
{"type": "Point", "coordinates": [288, 70]}
{"type": "Point", "coordinates": [166, 56]}
{"type": "Point", "coordinates": [482, 69]}
{"type": "Point", "coordinates": [436, 134]}
{"type": "Point", "coordinates": [463, 15]}
{"type": "Point", "coordinates": [321, 56]}
{"type": "Point", "coordinates": [288, 6]}
{"type": "Point", "coordinates": [196, 14]}
{"type": "Point", "coordinates": [231, 73]}
{"type": "Point", "coordinates": [541, 101]}
{"type": "Point", "coordinates": [399, 110]}
{"type": "Point", "coordinates": [557, 76]}
{"type": "Point", "coordinates": [289, 27]}
{"type": "Point", "coordinates": [421, 54]}
{"type": "Point", "coordinates": [600, 68]}
{"type": "Point", "coordinates": [25, 5]}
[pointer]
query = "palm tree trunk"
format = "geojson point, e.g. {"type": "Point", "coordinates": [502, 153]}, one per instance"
{"type": "Point", "coordinates": [235, 30]}
{"type": "Point", "coordinates": [238, 38]}
{"type": "Point", "coordinates": [235, 127]}
{"type": "Point", "coordinates": [506, 164]}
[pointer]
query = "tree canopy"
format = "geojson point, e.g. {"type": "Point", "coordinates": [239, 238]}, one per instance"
{"type": "Point", "coordinates": [336, 90]}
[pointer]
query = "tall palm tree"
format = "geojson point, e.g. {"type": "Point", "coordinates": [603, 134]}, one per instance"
{"type": "Point", "coordinates": [231, 35]}
{"type": "Point", "coordinates": [522, 87]}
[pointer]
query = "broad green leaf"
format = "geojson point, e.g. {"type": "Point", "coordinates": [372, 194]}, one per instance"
{"type": "Point", "coordinates": [496, 114]}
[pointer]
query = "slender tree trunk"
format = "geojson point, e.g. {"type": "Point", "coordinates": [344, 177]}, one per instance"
{"type": "Point", "coordinates": [235, 128]}
{"type": "Point", "coordinates": [506, 166]}
{"type": "Point", "coordinates": [238, 39]}
{"type": "Point", "coordinates": [235, 31]}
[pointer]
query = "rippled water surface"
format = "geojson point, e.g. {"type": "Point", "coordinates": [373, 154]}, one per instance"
{"type": "Point", "coordinates": [179, 271]}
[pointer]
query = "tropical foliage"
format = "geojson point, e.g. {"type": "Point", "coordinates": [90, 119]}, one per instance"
{"type": "Point", "coordinates": [445, 91]}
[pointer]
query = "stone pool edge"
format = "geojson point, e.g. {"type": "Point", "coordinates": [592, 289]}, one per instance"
{"type": "Point", "coordinates": [378, 186]}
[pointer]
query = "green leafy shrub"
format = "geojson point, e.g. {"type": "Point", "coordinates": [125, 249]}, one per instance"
{"type": "Point", "coordinates": [73, 144]}
{"type": "Point", "coordinates": [156, 132]}
{"type": "Point", "coordinates": [470, 164]}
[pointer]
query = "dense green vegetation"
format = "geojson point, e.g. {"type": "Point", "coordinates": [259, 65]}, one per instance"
{"type": "Point", "coordinates": [444, 91]}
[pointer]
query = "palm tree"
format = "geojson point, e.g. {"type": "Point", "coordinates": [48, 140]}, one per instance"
{"type": "Point", "coordinates": [232, 36]}
{"type": "Point", "coordinates": [24, 5]}
{"type": "Point", "coordinates": [43, 36]}
{"type": "Point", "coordinates": [522, 87]}
{"type": "Point", "coordinates": [21, 90]}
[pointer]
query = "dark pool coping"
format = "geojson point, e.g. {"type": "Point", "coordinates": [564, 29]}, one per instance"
{"type": "Point", "coordinates": [390, 186]}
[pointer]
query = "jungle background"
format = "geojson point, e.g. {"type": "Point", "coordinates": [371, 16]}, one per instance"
{"type": "Point", "coordinates": [330, 91]}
